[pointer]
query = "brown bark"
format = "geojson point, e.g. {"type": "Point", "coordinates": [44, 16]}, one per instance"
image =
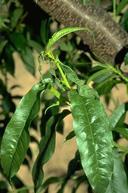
{"type": "Point", "coordinates": [106, 39]}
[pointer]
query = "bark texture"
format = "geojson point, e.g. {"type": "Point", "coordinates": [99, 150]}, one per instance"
{"type": "Point", "coordinates": [106, 39]}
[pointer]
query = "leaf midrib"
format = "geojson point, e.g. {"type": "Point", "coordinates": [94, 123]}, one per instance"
{"type": "Point", "coordinates": [93, 139]}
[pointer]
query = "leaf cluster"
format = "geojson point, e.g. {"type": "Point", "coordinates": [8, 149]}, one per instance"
{"type": "Point", "coordinates": [75, 81]}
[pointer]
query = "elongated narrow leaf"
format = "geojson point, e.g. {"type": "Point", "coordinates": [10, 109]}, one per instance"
{"type": "Point", "coordinates": [46, 149]}
{"type": "Point", "coordinates": [70, 135]}
{"type": "Point", "coordinates": [121, 6]}
{"type": "Point", "coordinates": [2, 45]}
{"type": "Point", "coordinates": [122, 131]}
{"type": "Point", "coordinates": [9, 61]}
{"type": "Point", "coordinates": [28, 59]}
{"type": "Point", "coordinates": [58, 35]}
{"type": "Point", "coordinates": [94, 138]}
{"type": "Point", "coordinates": [124, 25]}
{"type": "Point", "coordinates": [16, 137]}
{"type": "Point", "coordinates": [100, 76]}
{"type": "Point", "coordinates": [59, 126]}
{"type": "Point", "coordinates": [103, 80]}
{"type": "Point", "coordinates": [16, 16]}
{"type": "Point", "coordinates": [52, 180]}
{"type": "Point", "coordinates": [106, 86]}
{"type": "Point", "coordinates": [45, 30]}
{"type": "Point", "coordinates": [78, 182]}
{"type": "Point", "coordinates": [119, 183]}
{"type": "Point", "coordinates": [72, 167]}
{"type": "Point", "coordinates": [18, 40]}
{"type": "Point", "coordinates": [116, 115]}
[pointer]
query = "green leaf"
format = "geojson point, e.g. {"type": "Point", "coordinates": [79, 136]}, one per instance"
{"type": "Point", "coordinates": [103, 80]}
{"type": "Point", "coordinates": [93, 136]}
{"type": "Point", "coordinates": [100, 76]}
{"type": "Point", "coordinates": [121, 6]}
{"type": "Point", "coordinates": [3, 22]}
{"type": "Point", "coordinates": [44, 30]}
{"type": "Point", "coordinates": [2, 45]}
{"type": "Point", "coordinates": [17, 183]}
{"type": "Point", "coordinates": [105, 86]}
{"type": "Point", "coordinates": [3, 90]}
{"type": "Point", "coordinates": [9, 61]}
{"type": "Point", "coordinates": [3, 1]}
{"type": "Point", "coordinates": [71, 75]}
{"type": "Point", "coordinates": [16, 137]}
{"type": "Point", "coordinates": [51, 180]}
{"type": "Point", "coordinates": [28, 59]}
{"type": "Point", "coordinates": [58, 35]}
{"type": "Point", "coordinates": [7, 103]}
{"type": "Point", "coordinates": [61, 116]}
{"type": "Point", "coordinates": [16, 15]}
{"type": "Point", "coordinates": [66, 46]}
{"type": "Point", "coordinates": [3, 186]}
{"type": "Point", "coordinates": [70, 136]}
{"type": "Point", "coordinates": [20, 43]}
{"type": "Point", "coordinates": [116, 116]}
{"type": "Point", "coordinates": [72, 167]}
{"type": "Point", "coordinates": [18, 40]}
{"type": "Point", "coordinates": [78, 182]}
{"type": "Point", "coordinates": [119, 182]}
{"type": "Point", "coordinates": [46, 150]}
{"type": "Point", "coordinates": [124, 21]}
{"type": "Point", "coordinates": [126, 59]}
{"type": "Point", "coordinates": [35, 45]}
{"type": "Point", "coordinates": [122, 131]}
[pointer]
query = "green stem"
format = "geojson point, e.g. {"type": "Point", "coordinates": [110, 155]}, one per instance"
{"type": "Point", "coordinates": [58, 64]}
{"type": "Point", "coordinates": [21, 189]}
{"type": "Point", "coordinates": [115, 70]}
{"type": "Point", "coordinates": [118, 72]}
{"type": "Point", "coordinates": [114, 8]}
